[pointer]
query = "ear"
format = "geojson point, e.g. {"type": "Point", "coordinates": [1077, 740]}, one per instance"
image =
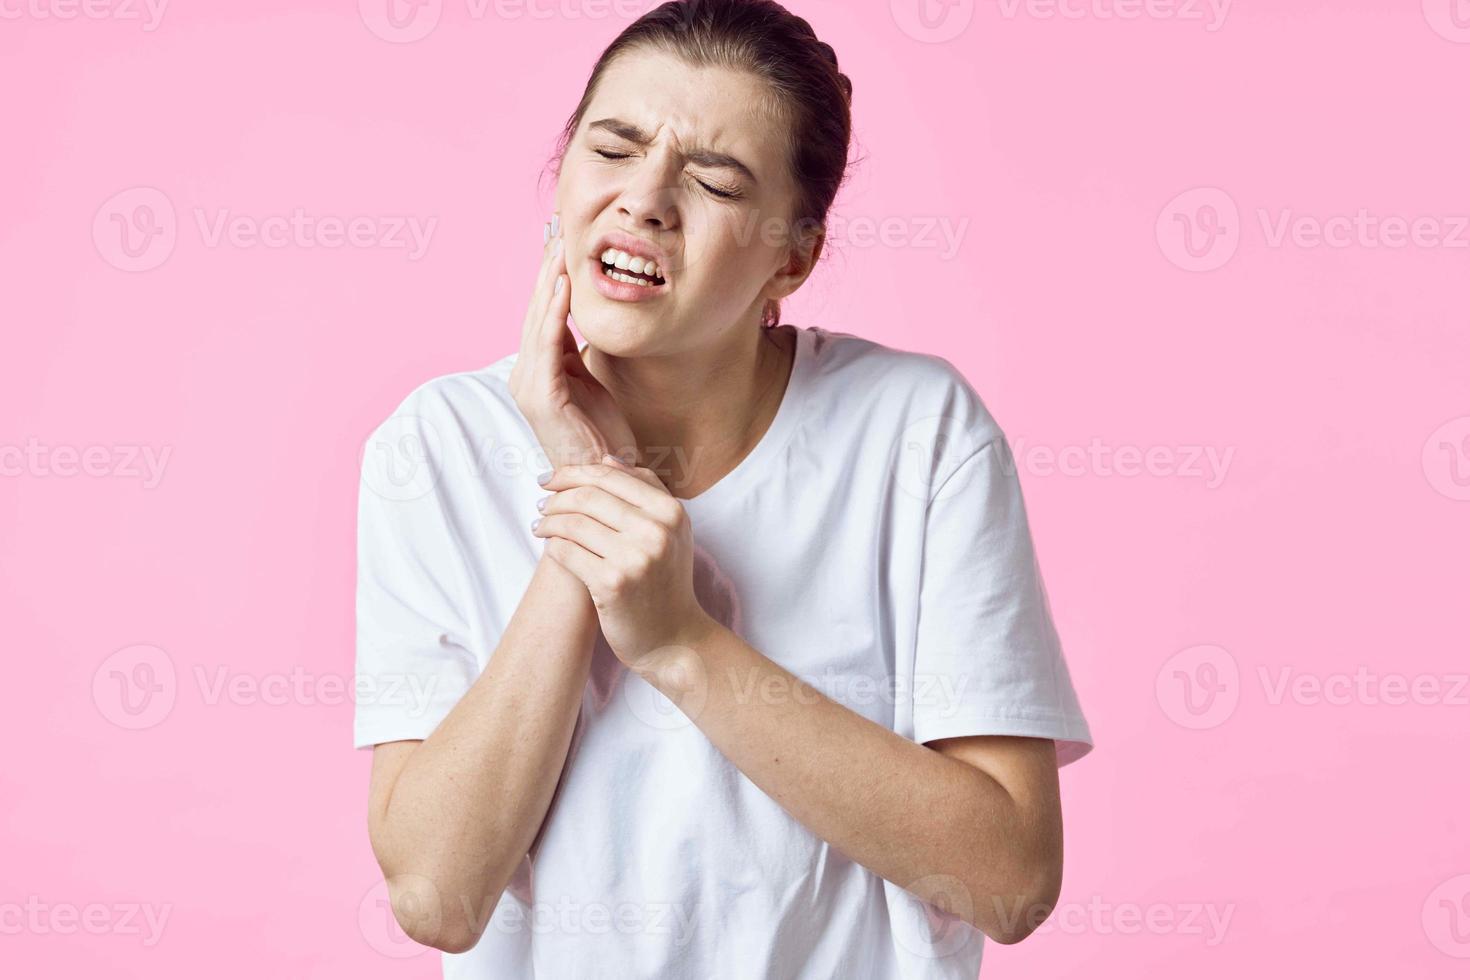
{"type": "Point", "coordinates": [803, 251]}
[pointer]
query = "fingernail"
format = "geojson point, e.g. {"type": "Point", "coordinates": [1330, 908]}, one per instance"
{"type": "Point", "coordinates": [556, 224]}
{"type": "Point", "coordinates": [556, 249]}
{"type": "Point", "coordinates": [541, 504]}
{"type": "Point", "coordinates": [560, 281]}
{"type": "Point", "coordinates": [544, 478]}
{"type": "Point", "coordinates": [536, 523]}
{"type": "Point", "coordinates": [545, 233]}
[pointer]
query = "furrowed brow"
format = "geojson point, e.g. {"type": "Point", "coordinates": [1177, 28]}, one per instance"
{"type": "Point", "coordinates": [705, 158]}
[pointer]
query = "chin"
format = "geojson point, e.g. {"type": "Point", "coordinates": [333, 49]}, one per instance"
{"type": "Point", "coordinates": [615, 332]}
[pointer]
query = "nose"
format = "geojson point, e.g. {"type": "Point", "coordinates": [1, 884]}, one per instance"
{"type": "Point", "coordinates": [650, 198]}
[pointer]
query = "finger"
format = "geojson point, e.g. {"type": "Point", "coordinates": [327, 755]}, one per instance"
{"type": "Point", "coordinates": [595, 536]}
{"type": "Point", "coordinates": [603, 507]}
{"type": "Point", "coordinates": [643, 473]}
{"type": "Point", "coordinates": [613, 478]}
{"type": "Point", "coordinates": [550, 249]}
{"type": "Point", "coordinates": [571, 356]}
{"type": "Point", "coordinates": [553, 329]}
{"type": "Point", "coordinates": [572, 363]}
{"type": "Point", "coordinates": [541, 344]}
{"type": "Point", "coordinates": [541, 289]}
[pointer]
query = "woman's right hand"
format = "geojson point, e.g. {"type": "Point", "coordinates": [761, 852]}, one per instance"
{"type": "Point", "coordinates": [572, 414]}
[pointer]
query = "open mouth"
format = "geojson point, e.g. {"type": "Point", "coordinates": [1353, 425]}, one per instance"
{"type": "Point", "coordinates": [619, 275]}
{"type": "Point", "coordinates": [634, 272]}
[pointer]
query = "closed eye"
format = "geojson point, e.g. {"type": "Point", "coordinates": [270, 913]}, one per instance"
{"type": "Point", "coordinates": [717, 192]}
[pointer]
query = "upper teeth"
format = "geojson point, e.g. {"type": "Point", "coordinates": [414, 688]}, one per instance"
{"type": "Point", "coordinates": [635, 264]}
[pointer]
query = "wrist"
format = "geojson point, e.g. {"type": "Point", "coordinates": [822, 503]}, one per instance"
{"type": "Point", "coordinates": [566, 583]}
{"type": "Point", "coordinates": [679, 665]}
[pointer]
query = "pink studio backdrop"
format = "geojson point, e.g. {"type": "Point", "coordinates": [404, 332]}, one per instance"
{"type": "Point", "coordinates": [1208, 265]}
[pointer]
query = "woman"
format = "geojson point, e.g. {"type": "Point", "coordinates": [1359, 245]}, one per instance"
{"type": "Point", "coordinates": [777, 693]}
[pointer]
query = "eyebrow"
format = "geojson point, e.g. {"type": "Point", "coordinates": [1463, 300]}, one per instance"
{"type": "Point", "coordinates": [700, 155]}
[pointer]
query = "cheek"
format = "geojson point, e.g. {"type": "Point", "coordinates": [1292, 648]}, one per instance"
{"type": "Point", "coordinates": [736, 268]}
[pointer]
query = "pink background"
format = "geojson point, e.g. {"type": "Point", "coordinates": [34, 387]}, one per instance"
{"type": "Point", "coordinates": [1326, 831]}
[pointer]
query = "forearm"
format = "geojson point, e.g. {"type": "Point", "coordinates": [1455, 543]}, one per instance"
{"type": "Point", "coordinates": [472, 796]}
{"type": "Point", "coordinates": [931, 824]}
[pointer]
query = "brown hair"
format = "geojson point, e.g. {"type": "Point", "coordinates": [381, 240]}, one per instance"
{"type": "Point", "coordinates": [763, 38]}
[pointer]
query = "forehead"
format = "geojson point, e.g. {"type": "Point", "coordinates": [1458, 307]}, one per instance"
{"type": "Point", "coordinates": [707, 108]}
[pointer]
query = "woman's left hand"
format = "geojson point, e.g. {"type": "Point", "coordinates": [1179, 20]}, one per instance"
{"type": "Point", "coordinates": [620, 531]}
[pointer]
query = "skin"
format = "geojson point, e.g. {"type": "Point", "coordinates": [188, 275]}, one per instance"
{"type": "Point", "coordinates": [972, 824]}
{"type": "Point", "coordinates": [676, 366]}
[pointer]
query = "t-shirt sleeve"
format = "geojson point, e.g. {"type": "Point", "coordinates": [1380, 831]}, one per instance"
{"type": "Point", "coordinates": [415, 656]}
{"type": "Point", "coordinates": [987, 651]}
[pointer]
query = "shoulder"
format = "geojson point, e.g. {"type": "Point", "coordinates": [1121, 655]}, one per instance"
{"type": "Point", "coordinates": [915, 390]}
{"type": "Point", "coordinates": [460, 401]}
{"type": "Point", "coordinates": [453, 432]}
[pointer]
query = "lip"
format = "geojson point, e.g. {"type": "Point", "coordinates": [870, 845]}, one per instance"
{"type": "Point", "coordinates": [633, 245]}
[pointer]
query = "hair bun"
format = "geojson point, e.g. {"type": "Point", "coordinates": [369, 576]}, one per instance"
{"type": "Point", "coordinates": [830, 56]}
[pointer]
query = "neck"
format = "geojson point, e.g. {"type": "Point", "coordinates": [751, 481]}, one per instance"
{"type": "Point", "coordinates": [697, 414]}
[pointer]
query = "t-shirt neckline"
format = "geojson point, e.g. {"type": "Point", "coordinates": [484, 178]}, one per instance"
{"type": "Point", "coordinates": [775, 438]}
{"type": "Point", "coordinates": [777, 434]}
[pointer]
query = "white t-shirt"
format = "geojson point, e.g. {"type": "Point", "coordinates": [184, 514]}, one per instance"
{"type": "Point", "coordinates": [873, 543]}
